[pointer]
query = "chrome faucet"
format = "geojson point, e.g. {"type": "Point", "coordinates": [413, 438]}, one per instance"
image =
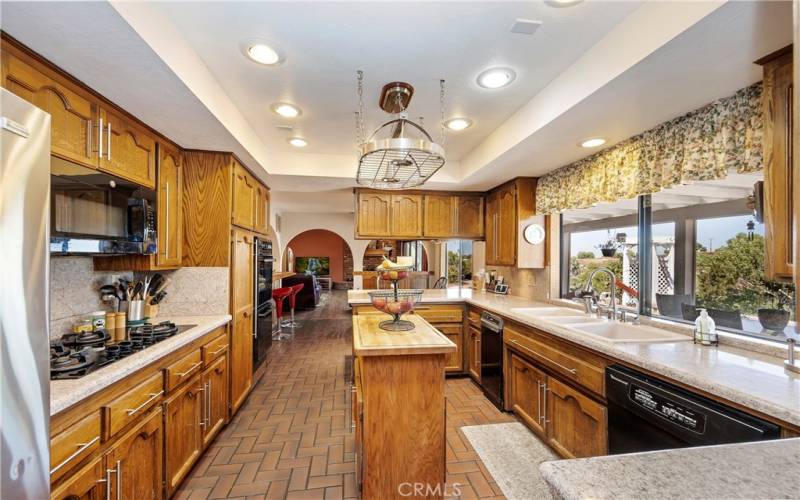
{"type": "Point", "coordinates": [589, 290]}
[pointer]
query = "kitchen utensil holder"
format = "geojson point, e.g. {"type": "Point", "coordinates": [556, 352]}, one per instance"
{"type": "Point", "coordinates": [135, 311]}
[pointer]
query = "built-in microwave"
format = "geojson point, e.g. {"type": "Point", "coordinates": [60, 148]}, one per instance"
{"type": "Point", "coordinates": [92, 212]}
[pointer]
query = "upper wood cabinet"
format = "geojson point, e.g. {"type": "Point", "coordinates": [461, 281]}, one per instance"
{"type": "Point", "coordinates": [261, 209]}
{"type": "Point", "coordinates": [405, 220]}
{"type": "Point", "coordinates": [778, 171]}
{"type": "Point", "coordinates": [170, 206]}
{"type": "Point", "coordinates": [373, 211]}
{"type": "Point", "coordinates": [440, 216]}
{"type": "Point", "coordinates": [125, 148]}
{"type": "Point", "coordinates": [72, 111]}
{"type": "Point", "coordinates": [507, 208]}
{"type": "Point", "coordinates": [469, 216]}
{"type": "Point", "coordinates": [244, 198]}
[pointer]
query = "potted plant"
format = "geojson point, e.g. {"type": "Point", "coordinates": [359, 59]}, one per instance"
{"type": "Point", "coordinates": [776, 318]}
{"type": "Point", "coordinates": [609, 247]}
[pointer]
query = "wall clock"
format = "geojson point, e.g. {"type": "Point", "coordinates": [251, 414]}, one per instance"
{"type": "Point", "coordinates": [533, 234]}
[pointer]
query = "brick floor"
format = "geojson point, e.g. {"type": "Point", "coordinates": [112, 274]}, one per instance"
{"type": "Point", "coordinates": [290, 439]}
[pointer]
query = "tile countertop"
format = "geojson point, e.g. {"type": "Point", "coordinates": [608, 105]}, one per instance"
{"type": "Point", "coordinates": [749, 378]}
{"type": "Point", "coordinates": [765, 469]}
{"type": "Point", "coordinates": [66, 393]}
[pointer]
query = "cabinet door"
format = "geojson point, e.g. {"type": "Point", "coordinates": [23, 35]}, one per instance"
{"type": "Point", "coordinates": [71, 112]}
{"type": "Point", "coordinates": [469, 216]}
{"type": "Point", "coordinates": [507, 227]}
{"type": "Point", "coordinates": [127, 149]}
{"type": "Point", "coordinates": [373, 215]}
{"type": "Point", "coordinates": [439, 216]}
{"type": "Point", "coordinates": [527, 393]}
{"type": "Point", "coordinates": [215, 384]}
{"type": "Point", "coordinates": [242, 292]}
{"type": "Point", "coordinates": [170, 203]}
{"type": "Point", "coordinates": [454, 362]}
{"type": "Point", "coordinates": [491, 228]}
{"type": "Point", "coordinates": [244, 198]}
{"type": "Point", "coordinates": [137, 461]}
{"type": "Point", "coordinates": [474, 354]}
{"type": "Point", "coordinates": [577, 426]}
{"type": "Point", "coordinates": [778, 178]}
{"type": "Point", "coordinates": [241, 358]}
{"type": "Point", "coordinates": [86, 484]}
{"type": "Point", "coordinates": [405, 220]}
{"type": "Point", "coordinates": [183, 429]}
{"type": "Point", "coordinates": [262, 209]}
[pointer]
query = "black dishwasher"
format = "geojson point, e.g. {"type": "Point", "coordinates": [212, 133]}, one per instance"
{"type": "Point", "coordinates": [492, 358]}
{"type": "Point", "coordinates": [647, 414]}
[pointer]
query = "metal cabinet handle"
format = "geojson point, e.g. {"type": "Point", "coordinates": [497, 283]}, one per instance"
{"type": "Point", "coordinates": [353, 394]}
{"type": "Point", "coordinates": [536, 354]}
{"type": "Point", "coordinates": [214, 353]}
{"type": "Point", "coordinates": [108, 153]}
{"type": "Point", "coordinates": [100, 138]}
{"type": "Point", "coordinates": [89, 138]}
{"type": "Point", "coordinates": [539, 400]}
{"type": "Point", "coordinates": [81, 448]}
{"type": "Point", "coordinates": [190, 370]}
{"type": "Point", "coordinates": [208, 403]}
{"type": "Point", "coordinates": [118, 472]}
{"type": "Point", "coordinates": [544, 408]}
{"type": "Point", "coordinates": [203, 407]}
{"type": "Point", "coordinates": [166, 222]}
{"type": "Point", "coordinates": [153, 397]}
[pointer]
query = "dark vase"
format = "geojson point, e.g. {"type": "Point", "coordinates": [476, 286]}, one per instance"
{"type": "Point", "coordinates": [773, 319]}
{"type": "Point", "coordinates": [608, 252]}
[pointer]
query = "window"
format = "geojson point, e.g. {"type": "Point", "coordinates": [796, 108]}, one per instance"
{"type": "Point", "coordinates": [704, 250]}
{"type": "Point", "coordinates": [458, 255]}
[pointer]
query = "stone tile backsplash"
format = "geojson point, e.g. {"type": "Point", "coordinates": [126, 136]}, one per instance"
{"type": "Point", "coordinates": [74, 293]}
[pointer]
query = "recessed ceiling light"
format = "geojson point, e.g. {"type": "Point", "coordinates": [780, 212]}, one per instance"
{"type": "Point", "coordinates": [593, 142]}
{"type": "Point", "coordinates": [495, 78]}
{"type": "Point", "coordinates": [286, 110]}
{"type": "Point", "coordinates": [297, 142]}
{"type": "Point", "coordinates": [261, 52]}
{"type": "Point", "coordinates": [458, 123]}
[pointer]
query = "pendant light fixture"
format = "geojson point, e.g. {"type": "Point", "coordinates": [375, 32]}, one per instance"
{"type": "Point", "coordinates": [400, 154]}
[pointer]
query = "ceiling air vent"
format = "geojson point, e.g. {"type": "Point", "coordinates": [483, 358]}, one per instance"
{"type": "Point", "coordinates": [525, 26]}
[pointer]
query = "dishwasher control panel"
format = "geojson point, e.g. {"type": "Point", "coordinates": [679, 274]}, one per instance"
{"type": "Point", "coordinates": [668, 409]}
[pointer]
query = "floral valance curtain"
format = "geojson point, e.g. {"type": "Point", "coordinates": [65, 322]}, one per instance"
{"type": "Point", "coordinates": [704, 144]}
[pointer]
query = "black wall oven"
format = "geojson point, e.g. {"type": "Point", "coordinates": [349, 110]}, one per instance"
{"type": "Point", "coordinates": [262, 284]}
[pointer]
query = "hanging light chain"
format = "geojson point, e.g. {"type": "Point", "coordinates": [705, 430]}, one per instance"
{"type": "Point", "coordinates": [360, 127]}
{"type": "Point", "coordinates": [441, 108]}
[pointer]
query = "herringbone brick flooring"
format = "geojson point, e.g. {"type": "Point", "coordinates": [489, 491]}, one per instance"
{"type": "Point", "coordinates": [291, 440]}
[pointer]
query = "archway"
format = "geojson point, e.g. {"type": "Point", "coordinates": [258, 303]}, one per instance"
{"type": "Point", "coordinates": [324, 253]}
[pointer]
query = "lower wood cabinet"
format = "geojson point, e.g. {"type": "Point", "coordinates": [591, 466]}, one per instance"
{"type": "Point", "coordinates": [527, 386]}
{"type": "Point", "coordinates": [88, 483]}
{"type": "Point", "coordinates": [241, 358]}
{"type": "Point", "coordinates": [184, 424]}
{"type": "Point", "coordinates": [134, 465]}
{"type": "Point", "coordinates": [215, 395]}
{"type": "Point", "coordinates": [474, 353]}
{"type": "Point", "coordinates": [455, 360]}
{"type": "Point", "coordinates": [576, 425]}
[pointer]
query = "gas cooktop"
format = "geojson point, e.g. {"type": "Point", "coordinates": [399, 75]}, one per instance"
{"type": "Point", "coordinates": [78, 354]}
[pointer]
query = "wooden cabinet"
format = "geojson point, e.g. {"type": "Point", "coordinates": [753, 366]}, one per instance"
{"type": "Point", "coordinates": [508, 206]}
{"type": "Point", "coordinates": [88, 483]}
{"type": "Point", "coordinates": [135, 463]}
{"type": "Point", "coordinates": [526, 390]}
{"type": "Point", "coordinates": [244, 198]}
{"type": "Point", "coordinates": [406, 216]}
{"type": "Point", "coordinates": [170, 206]}
{"type": "Point", "coordinates": [491, 228]}
{"type": "Point", "coordinates": [242, 271]}
{"type": "Point", "coordinates": [261, 209]}
{"type": "Point", "coordinates": [373, 212]}
{"type": "Point", "coordinates": [72, 111]}
{"type": "Point", "coordinates": [440, 216]}
{"type": "Point", "coordinates": [455, 360]}
{"type": "Point", "coordinates": [506, 232]}
{"type": "Point", "coordinates": [126, 149]}
{"type": "Point", "coordinates": [70, 447]}
{"type": "Point", "coordinates": [241, 358]}
{"type": "Point", "coordinates": [778, 171]}
{"type": "Point", "coordinates": [577, 425]}
{"type": "Point", "coordinates": [215, 393]}
{"type": "Point", "coordinates": [474, 353]}
{"type": "Point", "coordinates": [182, 419]}
{"type": "Point", "coordinates": [469, 217]}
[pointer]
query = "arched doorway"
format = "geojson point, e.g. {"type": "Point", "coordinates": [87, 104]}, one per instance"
{"type": "Point", "coordinates": [325, 254]}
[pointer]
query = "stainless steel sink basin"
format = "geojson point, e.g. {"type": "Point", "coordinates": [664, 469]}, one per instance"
{"type": "Point", "coordinates": [540, 312]}
{"type": "Point", "coordinates": [622, 332]}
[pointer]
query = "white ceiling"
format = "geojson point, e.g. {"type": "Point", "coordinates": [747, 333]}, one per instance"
{"type": "Point", "coordinates": [598, 68]}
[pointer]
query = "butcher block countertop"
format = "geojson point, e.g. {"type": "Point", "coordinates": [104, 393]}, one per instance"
{"type": "Point", "coordinates": [370, 340]}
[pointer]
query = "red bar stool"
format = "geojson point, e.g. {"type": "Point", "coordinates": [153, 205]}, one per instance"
{"type": "Point", "coordinates": [292, 301]}
{"type": "Point", "coordinates": [280, 294]}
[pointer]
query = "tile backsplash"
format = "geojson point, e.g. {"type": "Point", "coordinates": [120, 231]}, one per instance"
{"type": "Point", "coordinates": [74, 293]}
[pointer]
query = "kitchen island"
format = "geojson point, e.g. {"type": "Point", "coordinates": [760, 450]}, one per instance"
{"type": "Point", "coordinates": [398, 407]}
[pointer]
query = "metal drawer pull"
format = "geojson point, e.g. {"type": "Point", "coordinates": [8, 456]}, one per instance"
{"type": "Point", "coordinates": [100, 138]}
{"type": "Point", "coordinates": [107, 480]}
{"type": "Point", "coordinates": [571, 370]}
{"type": "Point", "coordinates": [544, 408]}
{"type": "Point", "coordinates": [190, 370]}
{"type": "Point", "coordinates": [108, 153]}
{"type": "Point", "coordinates": [153, 397]}
{"type": "Point", "coordinates": [89, 139]}
{"type": "Point", "coordinates": [203, 416]}
{"type": "Point", "coordinates": [208, 403]}
{"type": "Point", "coordinates": [214, 353]}
{"type": "Point", "coordinates": [539, 400]}
{"type": "Point", "coordinates": [119, 463]}
{"type": "Point", "coordinates": [81, 448]}
{"type": "Point", "coordinates": [166, 219]}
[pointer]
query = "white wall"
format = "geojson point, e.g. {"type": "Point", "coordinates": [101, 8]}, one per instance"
{"type": "Point", "coordinates": [294, 223]}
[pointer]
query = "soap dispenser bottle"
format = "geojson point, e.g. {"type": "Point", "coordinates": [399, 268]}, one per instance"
{"type": "Point", "coordinates": [705, 331]}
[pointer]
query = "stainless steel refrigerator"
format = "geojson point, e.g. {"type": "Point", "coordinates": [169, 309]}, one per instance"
{"type": "Point", "coordinates": [24, 274]}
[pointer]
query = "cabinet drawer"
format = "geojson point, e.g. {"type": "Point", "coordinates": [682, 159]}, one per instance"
{"type": "Point", "coordinates": [134, 403]}
{"type": "Point", "coordinates": [215, 349]}
{"type": "Point", "coordinates": [183, 369]}
{"type": "Point", "coordinates": [440, 313]}
{"type": "Point", "coordinates": [586, 370]}
{"type": "Point", "coordinates": [474, 317]}
{"type": "Point", "coordinates": [74, 444]}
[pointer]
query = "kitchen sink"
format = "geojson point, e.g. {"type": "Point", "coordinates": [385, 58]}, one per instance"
{"type": "Point", "coordinates": [540, 312]}
{"type": "Point", "coordinates": [622, 332]}
{"type": "Point", "coordinates": [572, 320]}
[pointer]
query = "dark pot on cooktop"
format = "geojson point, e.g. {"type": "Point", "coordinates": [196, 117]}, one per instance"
{"type": "Point", "coordinates": [773, 319]}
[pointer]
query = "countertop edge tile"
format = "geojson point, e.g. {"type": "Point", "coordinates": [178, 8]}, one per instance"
{"type": "Point", "coordinates": [65, 394]}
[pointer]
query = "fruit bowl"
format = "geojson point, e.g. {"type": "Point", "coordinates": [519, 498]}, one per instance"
{"type": "Point", "coordinates": [395, 303]}
{"type": "Point", "coordinates": [393, 273]}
